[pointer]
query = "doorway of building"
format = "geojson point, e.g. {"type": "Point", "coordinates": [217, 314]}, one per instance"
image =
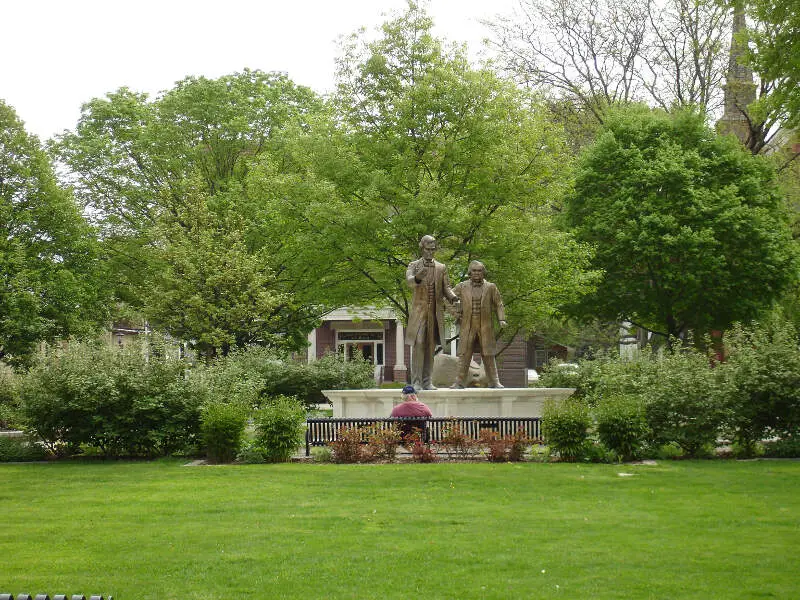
{"type": "Point", "coordinates": [367, 345]}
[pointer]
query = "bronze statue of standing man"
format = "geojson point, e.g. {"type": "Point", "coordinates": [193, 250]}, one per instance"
{"type": "Point", "coordinates": [431, 287]}
{"type": "Point", "coordinates": [480, 302]}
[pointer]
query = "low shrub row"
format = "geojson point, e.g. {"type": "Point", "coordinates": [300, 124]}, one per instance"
{"type": "Point", "coordinates": [139, 401]}
{"type": "Point", "coordinates": [685, 398]}
{"type": "Point", "coordinates": [251, 405]}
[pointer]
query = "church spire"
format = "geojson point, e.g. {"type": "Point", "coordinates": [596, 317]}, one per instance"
{"type": "Point", "coordinates": [739, 88]}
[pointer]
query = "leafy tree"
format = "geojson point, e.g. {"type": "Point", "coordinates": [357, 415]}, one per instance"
{"type": "Point", "coordinates": [50, 273]}
{"type": "Point", "coordinates": [165, 180]}
{"type": "Point", "coordinates": [420, 142]}
{"type": "Point", "coordinates": [129, 158]}
{"type": "Point", "coordinates": [775, 53]}
{"type": "Point", "coordinates": [689, 229]}
{"type": "Point", "coordinates": [209, 287]}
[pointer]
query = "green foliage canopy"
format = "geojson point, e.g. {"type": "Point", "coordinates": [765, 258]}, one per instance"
{"type": "Point", "coordinates": [420, 142]}
{"type": "Point", "coordinates": [51, 278]}
{"type": "Point", "coordinates": [165, 180]}
{"type": "Point", "coordinates": [689, 229]}
{"type": "Point", "coordinates": [775, 54]}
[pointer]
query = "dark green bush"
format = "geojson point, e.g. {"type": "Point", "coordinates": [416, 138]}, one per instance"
{"type": "Point", "coordinates": [280, 428]}
{"type": "Point", "coordinates": [134, 401]}
{"type": "Point", "coordinates": [222, 428]}
{"type": "Point", "coordinates": [20, 449]}
{"type": "Point", "coordinates": [621, 425]}
{"type": "Point", "coordinates": [565, 428]}
{"type": "Point", "coordinates": [68, 395]}
{"type": "Point", "coordinates": [256, 374]}
{"type": "Point", "coordinates": [762, 379]}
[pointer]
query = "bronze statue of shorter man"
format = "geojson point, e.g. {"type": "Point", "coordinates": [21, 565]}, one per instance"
{"type": "Point", "coordinates": [480, 302]}
{"type": "Point", "coordinates": [431, 287]}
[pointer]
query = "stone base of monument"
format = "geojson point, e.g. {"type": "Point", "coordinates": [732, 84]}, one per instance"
{"type": "Point", "coordinates": [469, 402]}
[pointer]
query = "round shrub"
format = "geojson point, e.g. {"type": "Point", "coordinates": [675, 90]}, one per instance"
{"type": "Point", "coordinates": [347, 448]}
{"type": "Point", "coordinates": [382, 443]}
{"type": "Point", "coordinates": [621, 425]}
{"type": "Point", "coordinates": [68, 397]}
{"type": "Point", "coordinates": [565, 428]}
{"type": "Point", "coordinates": [280, 428]}
{"type": "Point", "coordinates": [222, 429]}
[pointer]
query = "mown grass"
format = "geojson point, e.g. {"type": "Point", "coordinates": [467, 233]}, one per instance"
{"type": "Point", "coordinates": [159, 530]}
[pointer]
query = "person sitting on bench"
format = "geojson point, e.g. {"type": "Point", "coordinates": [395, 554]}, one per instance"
{"type": "Point", "coordinates": [410, 407]}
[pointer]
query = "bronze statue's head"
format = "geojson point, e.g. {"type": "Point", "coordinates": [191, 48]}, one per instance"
{"type": "Point", "coordinates": [477, 271]}
{"type": "Point", "coordinates": [428, 246]}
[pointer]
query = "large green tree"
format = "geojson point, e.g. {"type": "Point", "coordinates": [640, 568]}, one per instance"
{"type": "Point", "coordinates": [166, 181]}
{"type": "Point", "coordinates": [689, 228]}
{"type": "Point", "coordinates": [421, 142]}
{"type": "Point", "coordinates": [51, 279]}
{"type": "Point", "coordinates": [130, 158]}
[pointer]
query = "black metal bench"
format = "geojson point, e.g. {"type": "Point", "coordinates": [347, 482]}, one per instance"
{"type": "Point", "coordinates": [7, 596]}
{"type": "Point", "coordinates": [322, 431]}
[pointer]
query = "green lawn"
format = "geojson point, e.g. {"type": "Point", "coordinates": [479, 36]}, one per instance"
{"type": "Point", "coordinates": [137, 530]}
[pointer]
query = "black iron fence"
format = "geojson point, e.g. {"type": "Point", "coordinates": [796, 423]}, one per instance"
{"type": "Point", "coordinates": [6, 596]}
{"type": "Point", "coordinates": [322, 431]}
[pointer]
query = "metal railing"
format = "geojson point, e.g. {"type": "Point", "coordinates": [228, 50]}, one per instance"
{"type": "Point", "coordinates": [322, 431]}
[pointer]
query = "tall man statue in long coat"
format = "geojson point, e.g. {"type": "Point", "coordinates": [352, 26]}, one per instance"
{"type": "Point", "coordinates": [431, 287]}
{"type": "Point", "coordinates": [480, 302]}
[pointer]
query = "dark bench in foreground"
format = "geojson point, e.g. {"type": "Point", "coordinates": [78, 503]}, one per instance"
{"type": "Point", "coordinates": [322, 431]}
{"type": "Point", "coordinates": [7, 596]}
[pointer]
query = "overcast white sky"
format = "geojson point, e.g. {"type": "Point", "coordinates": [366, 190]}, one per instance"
{"type": "Point", "coordinates": [57, 54]}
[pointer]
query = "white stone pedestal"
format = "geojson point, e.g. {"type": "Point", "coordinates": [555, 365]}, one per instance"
{"type": "Point", "coordinates": [469, 402]}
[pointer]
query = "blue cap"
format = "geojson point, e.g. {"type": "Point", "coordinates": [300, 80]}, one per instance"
{"type": "Point", "coordinates": [409, 389]}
